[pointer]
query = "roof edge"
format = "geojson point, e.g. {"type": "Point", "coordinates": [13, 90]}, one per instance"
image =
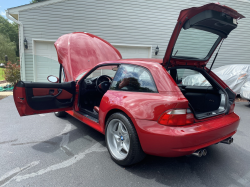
{"type": "Point", "coordinates": [16, 10]}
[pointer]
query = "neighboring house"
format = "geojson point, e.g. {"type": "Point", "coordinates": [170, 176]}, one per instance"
{"type": "Point", "coordinates": [135, 28]}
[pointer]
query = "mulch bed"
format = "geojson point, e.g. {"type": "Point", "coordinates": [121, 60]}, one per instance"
{"type": "Point", "coordinates": [1, 82]}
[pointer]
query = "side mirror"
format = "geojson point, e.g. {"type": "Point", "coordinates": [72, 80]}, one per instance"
{"type": "Point", "coordinates": [53, 79]}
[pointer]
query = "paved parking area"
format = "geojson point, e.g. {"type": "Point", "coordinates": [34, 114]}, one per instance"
{"type": "Point", "coordinates": [43, 150]}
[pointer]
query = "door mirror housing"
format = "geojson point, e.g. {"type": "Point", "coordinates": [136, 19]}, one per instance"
{"type": "Point", "coordinates": [53, 79]}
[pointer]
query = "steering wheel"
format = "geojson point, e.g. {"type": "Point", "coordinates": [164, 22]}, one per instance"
{"type": "Point", "coordinates": [102, 83]}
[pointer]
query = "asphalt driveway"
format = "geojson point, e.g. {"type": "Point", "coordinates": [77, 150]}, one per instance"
{"type": "Point", "coordinates": [43, 150]}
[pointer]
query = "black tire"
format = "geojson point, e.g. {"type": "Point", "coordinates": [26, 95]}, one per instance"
{"type": "Point", "coordinates": [60, 114]}
{"type": "Point", "coordinates": [135, 153]}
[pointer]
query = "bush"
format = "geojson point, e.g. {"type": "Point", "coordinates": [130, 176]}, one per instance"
{"type": "Point", "coordinates": [12, 73]}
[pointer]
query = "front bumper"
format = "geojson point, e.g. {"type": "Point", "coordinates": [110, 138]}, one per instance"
{"type": "Point", "coordinates": [174, 141]}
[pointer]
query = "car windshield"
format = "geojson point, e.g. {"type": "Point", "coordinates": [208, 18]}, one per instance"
{"type": "Point", "coordinates": [194, 44]}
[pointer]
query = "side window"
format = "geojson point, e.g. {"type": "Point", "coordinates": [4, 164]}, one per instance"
{"type": "Point", "coordinates": [104, 70]}
{"type": "Point", "coordinates": [190, 77]}
{"type": "Point", "coordinates": [133, 78]}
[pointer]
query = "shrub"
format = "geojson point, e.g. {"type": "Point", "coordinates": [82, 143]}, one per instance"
{"type": "Point", "coordinates": [12, 73]}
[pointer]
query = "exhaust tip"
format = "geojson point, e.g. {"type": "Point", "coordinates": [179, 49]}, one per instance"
{"type": "Point", "coordinates": [198, 153]}
{"type": "Point", "coordinates": [228, 140]}
{"type": "Point", "coordinates": [204, 152]}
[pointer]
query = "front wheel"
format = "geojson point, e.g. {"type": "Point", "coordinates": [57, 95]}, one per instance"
{"type": "Point", "coordinates": [60, 114]}
{"type": "Point", "coordinates": [122, 140]}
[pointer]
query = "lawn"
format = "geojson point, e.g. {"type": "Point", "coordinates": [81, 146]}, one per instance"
{"type": "Point", "coordinates": [1, 74]}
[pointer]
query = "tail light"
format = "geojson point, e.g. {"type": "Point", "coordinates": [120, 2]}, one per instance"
{"type": "Point", "coordinates": [177, 117]}
{"type": "Point", "coordinates": [232, 108]}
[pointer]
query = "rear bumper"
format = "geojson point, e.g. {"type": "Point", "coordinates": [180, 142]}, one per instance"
{"type": "Point", "coordinates": [170, 141]}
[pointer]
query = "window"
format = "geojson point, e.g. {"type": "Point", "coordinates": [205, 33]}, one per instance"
{"type": "Point", "coordinates": [188, 77]}
{"type": "Point", "coordinates": [104, 70]}
{"type": "Point", "coordinates": [80, 76]}
{"type": "Point", "coordinates": [194, 44]}
{"type": "Point", "coordinates": [133, 78]}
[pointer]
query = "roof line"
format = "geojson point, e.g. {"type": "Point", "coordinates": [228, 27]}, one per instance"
{"type": "Point", "coordinates": [33, 5]}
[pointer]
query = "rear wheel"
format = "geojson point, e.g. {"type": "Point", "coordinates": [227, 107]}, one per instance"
{"type": "Point", "coordinates": [60, 114]}
{"type": "Point", "coordinates": [122, 140]}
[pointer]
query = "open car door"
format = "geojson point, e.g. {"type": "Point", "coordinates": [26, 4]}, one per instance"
{"type": "Point", "coordinates": [36, 98]}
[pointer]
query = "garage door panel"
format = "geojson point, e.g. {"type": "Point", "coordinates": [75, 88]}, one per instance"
{"type": "Point", "coordinates": [45, 61]}
{"type": "Point", "coordinates": [134, 51]}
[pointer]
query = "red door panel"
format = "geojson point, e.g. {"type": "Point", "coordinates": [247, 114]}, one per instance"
{"type": "Point", "coordinates": [51, 91]}
{"type": "Point", "coordinates": [35, 98]}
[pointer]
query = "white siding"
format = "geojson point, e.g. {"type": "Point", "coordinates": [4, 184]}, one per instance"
{"type": "Point", "coordinates": [140, 22]}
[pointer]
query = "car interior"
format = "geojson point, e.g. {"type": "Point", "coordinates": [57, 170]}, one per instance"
{"type": "Point", "coordinates": [204, 100]}
{"type": "Point", "coordinates": [95, 85]}
{"type": "Point", "coordinates": [92, 89]}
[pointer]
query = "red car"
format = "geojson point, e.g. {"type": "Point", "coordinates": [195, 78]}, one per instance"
{"type": "Point", "coordinates": [141, 105]}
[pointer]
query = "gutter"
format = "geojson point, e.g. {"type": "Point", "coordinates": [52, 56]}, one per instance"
{"type": "Point", "coordinates": [21, 48]}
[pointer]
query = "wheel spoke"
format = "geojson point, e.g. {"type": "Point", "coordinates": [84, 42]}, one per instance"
{"type": "Point", "coordinates": [125, 136]}
{"type": "Point", "coordinates": [119, 146]}
{"type": "Point", "coordinates": [124, 146]}
{"type": "Point", "coordinates": [123, 131]}
{"type": "Point", "coordinates": [119, 130]}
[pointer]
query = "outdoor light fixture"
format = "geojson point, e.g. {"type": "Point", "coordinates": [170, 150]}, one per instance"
{"type": "Point", "coordinates": [156, 50]}
{"type": "Point", "coordinates": [6, 58]}
{"type": "Point", "coordinates": [25, 43]}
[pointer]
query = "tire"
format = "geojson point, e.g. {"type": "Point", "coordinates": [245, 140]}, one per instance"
{"type": "Point", "coordinates": [122, 140]}
{"type": "Point", "coordinates": [60, 114]}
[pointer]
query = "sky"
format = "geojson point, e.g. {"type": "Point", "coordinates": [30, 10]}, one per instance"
{"type": "Point", "coordinates": [5, 4]}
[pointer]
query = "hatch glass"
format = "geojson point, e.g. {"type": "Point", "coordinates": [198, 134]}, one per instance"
{"type": "Point", "coordinates": [194, 44]}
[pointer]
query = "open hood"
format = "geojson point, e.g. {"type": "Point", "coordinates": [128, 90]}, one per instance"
{"type": "Point", "coordinates": [81, 51]}
{"type": "Point", "coordinates": [198, 32]}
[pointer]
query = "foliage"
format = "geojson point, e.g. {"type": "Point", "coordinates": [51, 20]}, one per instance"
{"type": "Point", "coordinates": [7, 48]}
{"type": "Point", "coordinates": [10, 30]}
{"type": "Point", "coordinates": [12, 73]}
{"type": "Point", "coordinates": [1, 74]}
{"type": "Point", "coordinates": [36, 1]}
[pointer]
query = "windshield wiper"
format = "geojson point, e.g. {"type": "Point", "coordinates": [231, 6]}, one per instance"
{"type": "Point", "coordinates": [176, 52]}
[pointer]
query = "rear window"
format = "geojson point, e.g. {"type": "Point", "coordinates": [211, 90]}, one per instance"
{"type": "Point", "coordinates": [194, 44]}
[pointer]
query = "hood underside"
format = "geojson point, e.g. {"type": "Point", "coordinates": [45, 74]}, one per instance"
{"type": "Point", "coordinates": [81, 51]}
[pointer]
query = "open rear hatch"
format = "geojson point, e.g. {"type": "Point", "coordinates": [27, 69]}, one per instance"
{"type": "Point", "coordinates": [198, 32]}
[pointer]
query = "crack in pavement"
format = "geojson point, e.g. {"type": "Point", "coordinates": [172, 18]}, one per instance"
{"type": "Point", "coordinates": [14, 174]}
{"type": "Point", "coordinates": [6, 178]}
{"type": "Point", "coordinates": [8, 141]}
{"type": "Point", "coordinates": [48, 142]}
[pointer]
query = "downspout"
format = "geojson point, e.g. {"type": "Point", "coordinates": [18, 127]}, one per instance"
{"type": "Point", "coordinates": [21, 48]}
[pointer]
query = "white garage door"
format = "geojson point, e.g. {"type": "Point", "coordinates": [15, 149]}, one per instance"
{"type": "Point", "coordinates": [46, 61]}
{"type": "Point", "coordinates": [134, 51]}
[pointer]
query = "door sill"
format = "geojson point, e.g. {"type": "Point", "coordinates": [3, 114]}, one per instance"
{"type": "Point", "coordinates": [89, 116]}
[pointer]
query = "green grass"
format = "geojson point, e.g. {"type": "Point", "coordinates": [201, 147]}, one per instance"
{"type": "Point", "coordinates": [1, 74]}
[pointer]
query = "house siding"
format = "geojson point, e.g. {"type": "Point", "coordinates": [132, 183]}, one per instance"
{"type": "Point", "coordinates": [140, 22]}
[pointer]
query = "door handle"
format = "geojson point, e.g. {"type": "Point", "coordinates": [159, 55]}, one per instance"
{"type": "Point", "coordinates": [59, 92]}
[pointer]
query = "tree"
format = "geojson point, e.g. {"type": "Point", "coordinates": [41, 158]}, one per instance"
{"type": "Point", "coordinates": [36, 1]}
{"type": "Point", "coordinates": [10, 30]}
{"type": "Point", "coordinates": [7, 48]}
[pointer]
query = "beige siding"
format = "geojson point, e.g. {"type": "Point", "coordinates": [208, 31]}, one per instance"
{"type": "Point", "coordinates": [140, 22]}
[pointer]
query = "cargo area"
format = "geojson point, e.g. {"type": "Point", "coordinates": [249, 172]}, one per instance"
{"type": "Point", "coordinates": [206, 97]}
